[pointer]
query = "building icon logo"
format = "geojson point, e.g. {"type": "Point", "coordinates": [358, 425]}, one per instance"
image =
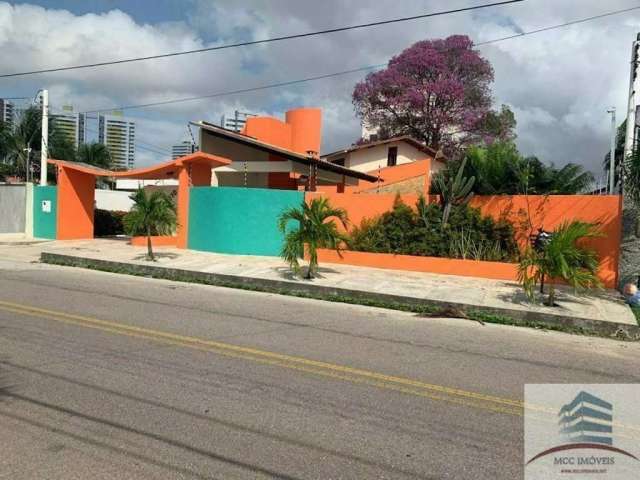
{"type": "Point", "coordinates": [587, 419]}
{"type": "Point", "coordinates": [586, 422]}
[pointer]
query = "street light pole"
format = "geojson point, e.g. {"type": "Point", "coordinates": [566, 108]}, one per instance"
{"type": "Point", "coordinates": [612, 159]}
{"type": "Point", "coordinates": [633, 98]}
{"type": "Point", "coordinates": [44, 153]}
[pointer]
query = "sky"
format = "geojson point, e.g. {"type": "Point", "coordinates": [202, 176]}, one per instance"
{"type": "Point", "coordinates": [559, 83]}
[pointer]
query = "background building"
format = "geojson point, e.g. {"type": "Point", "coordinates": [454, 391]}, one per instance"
{"type": "Point", "coordinates": [72, 125]}
{"type": "Point", "coordinates": [7, 111]}
{"type": "Point", "coordinates": [118, 134]}
{"type": "Point", "coordinates": [181, 149]}
{"type": "Point", "coordinates": [235, 122]}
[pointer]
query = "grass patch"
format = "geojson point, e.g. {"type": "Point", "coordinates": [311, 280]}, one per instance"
{"type": "Point", "coordinates": [636, 312]}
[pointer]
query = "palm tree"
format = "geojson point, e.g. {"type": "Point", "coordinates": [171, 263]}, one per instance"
{"type": "Point", "coordinates": [94, 153]}
{"type": "Point", "coordinates": [24, 139]}
{"type": "Point", "coordinates": [152, 214]}
{"type": "Point", "coordinates": [562, 257]}
{"type": "Point", "coordinates": [314, 230]}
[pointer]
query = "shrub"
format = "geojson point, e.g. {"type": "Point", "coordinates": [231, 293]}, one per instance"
{"type": "Point", "coordinates": [108, 223]}
{"type": "Point", "coordinates": [406, 231]}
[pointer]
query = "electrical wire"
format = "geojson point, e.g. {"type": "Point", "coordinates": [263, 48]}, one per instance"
{"type": "Point", "coordinates": [257, 42]}
{"type": "Point", "coordinates": [347, 72]}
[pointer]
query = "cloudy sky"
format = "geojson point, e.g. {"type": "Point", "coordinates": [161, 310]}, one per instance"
{"type": "Point", "coordinates": [559, 83]}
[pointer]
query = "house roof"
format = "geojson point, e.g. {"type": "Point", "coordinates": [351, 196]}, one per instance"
{"type": "Point", "coordinates": [402, 138]}
{"type": "Point", "coordinates": [282, 152]}
{"type": "Point", "coordinates": [159, 171]}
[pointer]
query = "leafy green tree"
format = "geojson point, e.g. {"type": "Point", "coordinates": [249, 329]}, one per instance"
{"type": "Point", "coordinates": [315, 229]}
{"type": "Point", "coordinates": [499, 169]}
{"type": "Point", "coordinates": [562, 258]}
{"type": "Point", "coordinates": [94, 153]}
{"type": "Point", "coordinates": [152, 213]}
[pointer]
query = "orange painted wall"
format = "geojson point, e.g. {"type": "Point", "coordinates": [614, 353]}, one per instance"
{"type": "Point", "coordinates": [301, 131]}
{"type": "Point", "coordinates": [157, 241]}
{"type": "Point", "coordinates": [281, 180]}
{"type": "Point", "coordinates": [75, 204]}
{"type": "Point", "coordinates": [182, 209]}
{"type": "Point", "coordinates": [362, 205]}
{"type": "Point", "coordinates": [269, 130]}
{"type": "Point", "coordinates": [306, 129]}
{"type": "Point", "coordinates": [447, 266]}
{"type": "Point", "coordinates": [545, 211]}
{"type": "Point", "coordinates": [549, 211]}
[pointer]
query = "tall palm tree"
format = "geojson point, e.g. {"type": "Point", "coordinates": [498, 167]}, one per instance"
{"type": "Point", "coordinates": [24, 139]}
{"type": "Point", "coordinates": [152, 214]}
{"type": "Point", "coordinates": [562, 257]}
{"type": "Point", "coordinates": [94, 153]}
{"type": "Point", "coordinates": [315, 229]}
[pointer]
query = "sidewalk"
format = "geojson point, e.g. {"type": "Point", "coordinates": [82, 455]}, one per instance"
{"type": "Point", "coordinates": [19, 239]}
{"type": "Point", "coordinates": [603, 313]}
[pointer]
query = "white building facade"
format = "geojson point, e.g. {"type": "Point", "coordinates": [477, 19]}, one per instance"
{"type": "Point", "coordinates": [118, 134]}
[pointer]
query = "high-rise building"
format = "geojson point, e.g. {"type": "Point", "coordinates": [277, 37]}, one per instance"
{"type": "Point", "coordinates": [181, 149]}
{"type": "Point", "coordinates": [118, 134]}
{"type": "Point", "coordinates": [72, 125]}
{"type": "Point", "coordinates": [236, 121]}
{"type": "Point", "coordinates": [7, 111]}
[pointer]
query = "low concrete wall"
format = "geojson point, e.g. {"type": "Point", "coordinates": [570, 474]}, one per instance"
{"type": "Point", "coordinates": [447, 266]}
{"type": "Point", "coordinates": [13, 204]}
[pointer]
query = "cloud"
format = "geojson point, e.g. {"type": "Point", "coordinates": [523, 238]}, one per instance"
{"type": "Point", "coordinates": [559, 83]}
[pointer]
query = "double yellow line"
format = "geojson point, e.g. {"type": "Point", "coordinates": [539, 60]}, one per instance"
{"type": "Point", "coordinates": [314, 367]}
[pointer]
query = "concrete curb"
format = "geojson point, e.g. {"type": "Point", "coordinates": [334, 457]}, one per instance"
{"type": "Point", "coordinates": [309, 290]}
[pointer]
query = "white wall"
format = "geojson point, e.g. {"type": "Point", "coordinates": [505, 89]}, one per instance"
{"type": "Point", "coordinates": [372, 158]}
{"type": "Point", "coordinates": [113, 200]}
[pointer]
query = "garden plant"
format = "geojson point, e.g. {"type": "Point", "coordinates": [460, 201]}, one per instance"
{"type": "Point", "coordinates": [315, 228]}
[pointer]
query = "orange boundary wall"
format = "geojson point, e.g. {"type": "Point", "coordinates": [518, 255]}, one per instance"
{"type": "Point", "coordinates": [545, 211]}
{"type": "Point", "coordinates": [156, 241]}
{"type": "Point", "coordinates": [448, 266]}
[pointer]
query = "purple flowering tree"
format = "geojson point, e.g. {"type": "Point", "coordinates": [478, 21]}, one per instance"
{"type": "Point", "coordinates": [437, 91]}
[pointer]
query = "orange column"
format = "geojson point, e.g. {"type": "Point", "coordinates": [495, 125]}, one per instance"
{"type": "Point", "coordinates": [183, 207]}
{"type": "Point", "coordinates": [76, 193]}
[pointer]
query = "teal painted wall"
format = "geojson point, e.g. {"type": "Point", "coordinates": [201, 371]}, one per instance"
{"type": "Point", "coordinates": [44, 223]}
{"type": "Point", "coordinates": [238, 220]}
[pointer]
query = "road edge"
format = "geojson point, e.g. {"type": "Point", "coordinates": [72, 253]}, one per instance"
{"type": "Point", "coordinates": [504, 316]}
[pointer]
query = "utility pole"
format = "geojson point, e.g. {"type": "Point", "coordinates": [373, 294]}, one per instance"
{"type": "Point", "coordinates": [633, 99]}
{"type": "Point", "coordinates": [612, 159]}
{"type": "Point", "coordinates": [44, 153]}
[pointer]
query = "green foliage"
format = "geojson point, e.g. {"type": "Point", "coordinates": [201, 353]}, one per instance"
{"type": "Point", "coordinates": [152, 213]}
{"type": "Point", "coordinates": [315, 229]}
{"type": "Point", "coordinates": [563, 258]}
{"type": "Point", "coordinates": [96, 154]}
{"type": "Point", "coordinates": [108, 223]}
{"type": "Point", "coordinates": [420, 232]}
{"type": "Point", "coordinates": [26, 134]}
{"type": "Point", "coordinates": [454, 190]}
{"type": "Point", "coordinates": [499, 169]}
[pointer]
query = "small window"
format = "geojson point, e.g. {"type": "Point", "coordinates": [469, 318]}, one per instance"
{"type": "Point", "coordinates": [392, 156]}
{"type": "Point", "coordinates": [339, 161]}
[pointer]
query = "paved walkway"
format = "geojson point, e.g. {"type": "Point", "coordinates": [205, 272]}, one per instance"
{"type": "Point", "coordinates": [603, 306]}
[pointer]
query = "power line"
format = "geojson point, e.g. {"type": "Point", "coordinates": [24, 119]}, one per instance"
{"type": "Point", "coordinates": [257, 42]}
{"type": "Point", "coordinates": [566, 24]}
{"type": "Point", "coordinates": [234, 92]}
{"type": "Point", "coordinates": [347, 72]}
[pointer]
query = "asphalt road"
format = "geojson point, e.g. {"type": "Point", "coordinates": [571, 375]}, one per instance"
{"type": "Point", "coordinates": [114, 377]}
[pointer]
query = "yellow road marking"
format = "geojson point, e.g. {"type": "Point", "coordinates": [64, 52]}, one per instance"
{"type": "Point", "coordinates": [354, 375]}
